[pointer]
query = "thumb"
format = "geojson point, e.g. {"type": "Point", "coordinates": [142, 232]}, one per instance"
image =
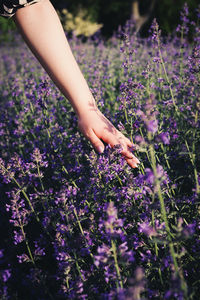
{"type": "Point", "coordinates": [96, 142]}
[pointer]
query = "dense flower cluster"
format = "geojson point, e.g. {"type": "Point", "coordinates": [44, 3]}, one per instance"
{"type": "Point", "coordinates": [80, 225]}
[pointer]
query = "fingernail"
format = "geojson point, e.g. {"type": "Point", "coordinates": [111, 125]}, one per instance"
{"type": "Point", "coordinates": [100, 149]}
{"type": "Point", "coordinates": [135, 165]}
{"type": "Point", "coordinates": [137, 160]}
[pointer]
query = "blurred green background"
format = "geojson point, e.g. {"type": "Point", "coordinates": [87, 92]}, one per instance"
{"type": "Point", "coordinates": [112, 13]}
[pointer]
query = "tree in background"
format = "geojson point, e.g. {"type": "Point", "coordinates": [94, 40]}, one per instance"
{"type": "Point", "coordinates": [138, 18]}
{"type": "Point", "coordinates": [79, 23]}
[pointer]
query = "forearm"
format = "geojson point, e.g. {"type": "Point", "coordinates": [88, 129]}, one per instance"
{"type": "Point", "coordinates": [43, 32]}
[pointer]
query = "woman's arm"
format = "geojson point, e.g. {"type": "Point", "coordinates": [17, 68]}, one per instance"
{"type": "Point", "coordinates": [43, 32]}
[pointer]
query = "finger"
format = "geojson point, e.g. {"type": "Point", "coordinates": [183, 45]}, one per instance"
{"type": "Point", "coordinates": [120, 140]}
{"type": "Point", "coordinates": [125, 143]}
{"type": "Point", "coordinates": [129, 156]}
{"type": "Point", "coordinates": [132, 163]}
{"type": "Point", "coordinates": [109, 138]}
{"type": "Point", "coordinates": [126, 152]}
{"type": "Point", "coordinates": [125, 140]}
{"type": "Point", "coordinates": [128, 142]}
{"type": "Point", "coordinates": [95, 141]}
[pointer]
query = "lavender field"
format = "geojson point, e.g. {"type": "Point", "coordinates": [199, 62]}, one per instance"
{"type": "Point", "coordinates": [80, 225]}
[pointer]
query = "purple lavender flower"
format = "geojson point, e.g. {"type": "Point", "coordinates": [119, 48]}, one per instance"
{"type": "Point", "coordinates": [136, 285]}
{"type": "Point", "coordinates": [156, 33]}
{"type": "Point", "coordinates": [113, 224]}
{"type": "Point", "coordinates": [184, 28]}
{"type": "Point", "coordinates": [6, 171]}
{"type": "Point", "coordinates": [103, 255]}
{"type": "Point", "coordinates": [164, 138]}
{"type": "Point", "coordinates": [152, 126]}
{"type": "Point", "coordinates": [5, 275]}
{"type": "Point", "coordinates": [23, 258]}
{"type": "Point", "coordinates": [39, 158]}
{"type": "Point", "coordinates": [147, 229]}
{"type": "Point", "coordinates": [39, 251]}
{"type": "Point", "coordinates": [125, 254]}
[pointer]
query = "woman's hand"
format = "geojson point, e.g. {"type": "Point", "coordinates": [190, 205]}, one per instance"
{"type": "Point", "coordinates": [96, 127]}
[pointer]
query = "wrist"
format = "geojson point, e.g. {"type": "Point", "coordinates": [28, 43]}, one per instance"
{"type": "Point", "coordinates": [85, 107]}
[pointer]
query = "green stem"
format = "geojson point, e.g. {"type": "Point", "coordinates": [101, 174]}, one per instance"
{"type": "Point", "coordinates": [77, 266]}
{"type": "Point", "coordinates": [164, 216]}
{"type": "Point", "coordinates": [73, 182]}
{"type": "Point", "coordinates": [192, 159]}
{"type": "Point", "coordinates": [156, 247]}
{"type": "Point", "coordinates": [27, 198]}
{"type": "Point", "coordinates": [27, 244]}
{"type": "Point", "coordinates": [114, 250]}
{"type": "Point", "coordinates": [181, 55]}
{"type": "Point", "coordinates": [166, 75]}
{"type": "Point", "coordinates": [39, 174]}
{"type": "Point", "coordinates": [162, 205]}
{"type": "Point", "coordinates": [168, 81]}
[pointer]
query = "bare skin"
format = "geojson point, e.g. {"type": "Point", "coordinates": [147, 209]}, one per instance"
{"type": "Point", "coordinates": [41, 29]}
